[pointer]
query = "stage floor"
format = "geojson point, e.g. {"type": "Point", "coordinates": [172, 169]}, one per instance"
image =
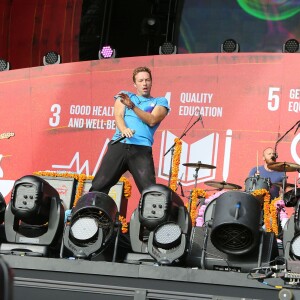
{"type": "Point", "coordinates": [52, 278]}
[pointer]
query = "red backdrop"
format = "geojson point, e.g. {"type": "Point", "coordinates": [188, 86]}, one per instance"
{"type": "Point", "coordinates": [29, 29]}
{"type": "Point", "coordinates": [62, 115]}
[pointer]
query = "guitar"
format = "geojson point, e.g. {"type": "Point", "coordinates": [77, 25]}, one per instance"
{"type": "Point", "coordinates": [6, 135]}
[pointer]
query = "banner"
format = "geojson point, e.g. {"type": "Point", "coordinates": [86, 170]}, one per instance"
{"type": "Point", "coordinates": [60, 117]}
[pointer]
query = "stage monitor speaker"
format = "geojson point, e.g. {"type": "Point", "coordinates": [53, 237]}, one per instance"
{"type": "Point", "coordinates": [66, 188]}
{"type": "Point", "coordinates": [116, 192]}
{"type": "Point", "coordinates": [203, 254]}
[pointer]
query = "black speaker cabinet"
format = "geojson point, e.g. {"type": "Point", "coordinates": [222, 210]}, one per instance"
{"type": "Point", "coordinates": [202, 253]}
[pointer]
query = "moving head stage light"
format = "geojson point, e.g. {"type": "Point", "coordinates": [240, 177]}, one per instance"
{"type": "Point", "coordinates": [91, 227]}
{"type": "Point", "coordinates": [233, 239]}
{"type": "Point", "coordinates": [291, 231]}
{"type": "Point", "coordinates": [160, 227]}
{"type": "Point", "coordinates": [34, 218]}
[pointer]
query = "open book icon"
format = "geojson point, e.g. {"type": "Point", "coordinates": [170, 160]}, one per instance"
{"type": "Point", "coordinates": [204, 150]}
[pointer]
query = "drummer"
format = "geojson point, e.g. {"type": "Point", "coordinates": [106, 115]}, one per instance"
{"type": "Point", "coordinates": [264, 172]}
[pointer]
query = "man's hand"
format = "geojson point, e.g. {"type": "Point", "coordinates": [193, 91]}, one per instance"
{"type": "Point", "coordinates": [126, 100]}
{"type": "Point", "coordinates": [128, 132]}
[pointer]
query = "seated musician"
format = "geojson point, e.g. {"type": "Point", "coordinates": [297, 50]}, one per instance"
{"type": "Point", "coordinates": [263, 171]}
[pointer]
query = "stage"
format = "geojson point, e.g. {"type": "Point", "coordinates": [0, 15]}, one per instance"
{"type": "Point", "coordinates": [51, 278]}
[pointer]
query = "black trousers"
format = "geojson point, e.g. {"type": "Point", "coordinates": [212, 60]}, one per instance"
{"type": "Point", "coordinates": [122, 157]}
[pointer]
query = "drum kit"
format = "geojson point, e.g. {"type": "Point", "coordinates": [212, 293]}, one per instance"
{"type": "Point", "coordinates": [218, 185]}
{"type": "Point", "coordinates": [251, 183]}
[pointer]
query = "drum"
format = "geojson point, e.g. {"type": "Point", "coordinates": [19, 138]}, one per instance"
{"type": "Point", "coordinates": [208, 213]}
{"type": "Point", "coordinates": [257, 183]}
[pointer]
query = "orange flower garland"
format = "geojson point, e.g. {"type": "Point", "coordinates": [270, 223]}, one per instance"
{"type": "Point", "coordinates": [81, 178]}
{"type": "Point", "coordinates": [127, 187]}
{"type": "Point", "coordinates": [124, 224]}
{"type": "Point", "coordinates": [196, 193]}
{"type": "Point", "coordinates": [174, 178]}
{"type": "Point", "coordinates": [264, 196]}
{"type": "Point", "coordinates": [273, 212]}
{"type": "Point", "coordinates": [175, 164]}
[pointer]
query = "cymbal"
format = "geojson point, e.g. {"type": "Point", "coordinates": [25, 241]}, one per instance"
{"type": "Point", "coordinates": [280, 184]}
{"type": "Point", "coordinates": [284, 167]}
{"type": "Point", "coordinates": [223, 185]}
{"type": "Point", "coordinates": [199, 165]}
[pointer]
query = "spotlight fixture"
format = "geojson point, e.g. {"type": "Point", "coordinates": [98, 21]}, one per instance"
{"type": "Point", "coordinates": [90, 227]}
{"type": "Point", "coordinates": [4, 65]}
{"type": "Point", "coordinates": [160, 226]}
{"type": "Point", "coordinates": [233, 239]}
{"type": "Point", "coordinates": [295, 247]}
{"type": "Point", "coordinates": [291, 234]}
{"type": "Point", "coordinates": [167, 48]}
{"type": "Point", "coordinates": [291, 46]}
{"type": "Point", "coordinates": [107, 52]}
{"type": "Point", "coordinates": [236, 223]}
{"type": "Point", "coordinates": [51, 58]}
{"type": "Point", "coordinates": [230, 46]}
{"type": "Point", "coordinates": [150, 26]}
{"type": "Point", "coordinates": [34, 218]}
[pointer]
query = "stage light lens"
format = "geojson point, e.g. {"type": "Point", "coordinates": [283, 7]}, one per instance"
{"type": "Point", "coordinates": [167, 48]}
{"type": "Point", "coordinates": [295, 246]}
{"type": "Point", "coordinates": [230, 46]}
{"type": "Point", "coordinates": [51, 58]}
{"type": "Point", "coordinates": [4, 65]}
{"type": "Point", "coordinates": [167, 236]}
{"type": "Point", "coordinates": [291, 46]}
{"type": "Point", "coordinates": [84, 229]}
{"type": "Point", "coordinates": [107, 52]}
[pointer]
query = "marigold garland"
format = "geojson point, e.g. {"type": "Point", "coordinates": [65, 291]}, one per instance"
{"type": "Point", "coordinates": [264, 195]}
{"type": "Point", "coordinates": [201, 212]}
{"type": "Point", "coordinates": [277, 209]}
{"type": "Point", "coordinates": [81, 178]}
{"type": "Point", "coordinates": [124, 224]}
{"type": "Point", "coordinates": [175, 164]}
{"type": "Point", "coordinates": [273, 214]}
{"type": "Point", "coordinates": [196, 193]}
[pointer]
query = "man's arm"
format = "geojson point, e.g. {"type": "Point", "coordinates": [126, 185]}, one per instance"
{"type": "Point", "coordinates": [157, 115]}
{"type": "Point", "coordinates": [119, 111]}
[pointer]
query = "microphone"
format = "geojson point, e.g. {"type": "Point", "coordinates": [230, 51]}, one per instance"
{"type": "Point", "coordinates": [121, 138]}
{"type": "Point", "coordinates": [200, 119]}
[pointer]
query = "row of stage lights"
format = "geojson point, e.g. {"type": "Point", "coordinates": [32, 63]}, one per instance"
{"type": "Point", "coordinates": [229, 46]}
{"type": "Point", "coordinates": [35, 224]}
{"type": "Point", "coordinates": [160, 230]}
{"type": "Point", "coordinates": [52, 57]}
